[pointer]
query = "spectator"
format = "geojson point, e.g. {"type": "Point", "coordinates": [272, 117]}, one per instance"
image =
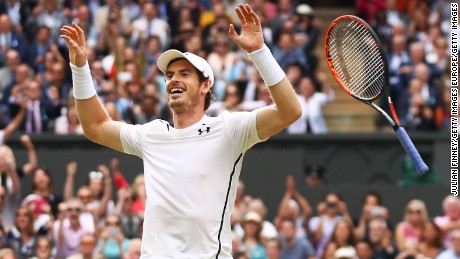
{"type": "Point", "coordinates": [140, 194]}
{"type": "Point", "coordinates": [293, 248]}
{"type": "Point", "coordinates": [112, 243]}
{"type": "Point", "coordinates": [289, 208]}
{"type": "Point", "coordinates": [273, 248]}
{"type": "Point", "coordinates": [287, 53]}
{"type": "Point", "coordinates": [454, 251]}
{"type": "Point", "coordinates": [451, 218]}
{"type": "Point", "coordinates": [22, 236]}
{"type": "Point", "coordinates": [51, 16]}
{"type": "Point", "coordinates": [222, 58]}
{"type": "Point", "coordinates": [37, 49]}
{"type": "Point", "coordinates": [372, 208]}
{"type": "Point", "coordinates": [381, 239]}
{"type": "Point", "coordinates": [9, 197]}
{"type": "Point", "coordinates": [409, 231]}
{"type": "Point", "coordinates": [329, 250]}
{"type": "Point", "coordinates": [331, 210]}
{"type": "Point", "coordinates": [431, 242]}
{"type": "Point", "coordinates": [252, 240]}
{"type": "Point", "coordinates": [131, 224]}
{"type": "Point", "coordinates": [312, 102]}
{"type": "Point", "coordinates": [69, 230]}
{"type": "Point", "coordinates": [9, 39]}
{"type": "Point", "coordinates": [42, 184]}
{"type": "Point", "coordinates": [7, 72]}
{"type": "Point", "coordinates": [7, 253]}
{"type": "Point", "coordinates": [68, 122]}
{"type": "Point", "coordinates": [150, 24]}
{"type": "Point", "coordinates": [268, 229]}
{"type": "Point", "coordinates": [87, 245]}
{"type": "Point", "coordinates": [364, 250]}
{"type": "Point", "coordinates": [43, 248]}
{"type": "Point", "coordinates": [343, 235]}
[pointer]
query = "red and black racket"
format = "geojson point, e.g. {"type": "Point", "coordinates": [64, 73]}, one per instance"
{"type": "Point", "coordinates": [358, 63]}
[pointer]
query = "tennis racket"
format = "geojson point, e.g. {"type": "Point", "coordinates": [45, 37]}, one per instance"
{"type": "Point", "coordinates": [358, 63]}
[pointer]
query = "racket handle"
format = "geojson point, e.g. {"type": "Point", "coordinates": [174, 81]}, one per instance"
{"type": "Point", "coordinates": [414, 155]}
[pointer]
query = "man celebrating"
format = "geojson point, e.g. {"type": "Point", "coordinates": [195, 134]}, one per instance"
{"type": "Point", "coordinates": [191, 169]}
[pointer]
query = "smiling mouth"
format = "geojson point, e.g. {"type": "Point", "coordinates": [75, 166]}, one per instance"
{"type": "Point", "coordinates": [175, 91]}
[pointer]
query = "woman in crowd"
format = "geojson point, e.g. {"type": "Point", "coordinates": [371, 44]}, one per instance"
{"type": "Point", "coordinates": [431, 241]}
{"type": "Point", "coordinates": [409, 231]}
{"type": "Point", "coordinates": [252, 238]}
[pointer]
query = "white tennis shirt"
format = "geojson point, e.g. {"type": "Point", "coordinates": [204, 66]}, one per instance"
{"type": "Point", "coordinates": [190, 178]}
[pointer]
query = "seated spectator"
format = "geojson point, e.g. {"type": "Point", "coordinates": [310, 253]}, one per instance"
{"type": "Point", "coordinates": [293, 248]}
{"type": "Point", "coordinates": [364, 250]}
{"type": "Point", "coordinates": [87, 245]}
{"type": "Point", "coordinates": [451, 218]}
{"type": "Point", "coordinates": [329, 250]}
{"type": "Point", "coordinates": [69, 230]}
{"type": "Point", "coordinates": [372, 208]}
{"type": "Point", "coordinates": [252, 240]}
{"type": "Point", "coordinates": [312, 102]}
{"type": "Point", "coordinates": [112, 243]}
{"type": "Point", "coordinates": [409, 231]}
{"type": "Point", "coordinates": [431, 242]}
{"type": "Point", "coordinates": [22, 236]}
{"type": "Point", "coordinates": [454, 251]}
{"type": "Point", "coordinates": [43, 248]}
{"type": "Point", "coordinates": [381, 239]}
{"type": "Point", "coordinates": [68, 122]}
{"type": "Point", "coordinates": [7, 253]}
{"type": "Point", "coordinates": [421, 115]}
{"type": "Point", "coordinates": [273, 248]}
{"type": "Point", "coordinates": [343, 235]}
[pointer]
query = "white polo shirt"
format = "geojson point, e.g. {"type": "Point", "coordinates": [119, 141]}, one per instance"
{"type": "Point", "coordinates": [190, 177]}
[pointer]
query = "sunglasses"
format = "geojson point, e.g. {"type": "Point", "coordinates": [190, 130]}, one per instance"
{"type": "Point", "coordinates": [96, 175]}
{"type": "Point", "coordinates": [415, 212]}
{"type": "Point", "coordinates": [74, 209]}
{"type": "Point", "coordinates": [115, 224]}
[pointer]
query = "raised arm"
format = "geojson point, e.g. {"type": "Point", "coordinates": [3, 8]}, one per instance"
{"type": "Point", "coordinates": [97, 125]}
{"type": "Point", "coordinates": [271, 119]}
{"type": "Point", "coordinates": [71, 169]}
{"type": "Point", "coordinates": [14, 123]}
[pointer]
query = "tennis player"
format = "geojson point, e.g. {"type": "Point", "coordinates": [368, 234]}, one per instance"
{"type": "Point", "coordinates": [191, 169]}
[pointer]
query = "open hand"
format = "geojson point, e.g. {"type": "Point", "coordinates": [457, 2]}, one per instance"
{"type": "Point", "coordinates": [75, 38]}
{"type": "Point", "coordinates": [251, 37]}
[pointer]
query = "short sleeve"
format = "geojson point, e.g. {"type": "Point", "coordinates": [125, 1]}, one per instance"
{"type": "Point", "coordinates": [131, 139]}
{"type": "Point", "coordinates": [241, 128]}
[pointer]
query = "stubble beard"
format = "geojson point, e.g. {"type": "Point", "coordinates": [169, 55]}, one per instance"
{"type": "Point", "coordinates": [184, 106]}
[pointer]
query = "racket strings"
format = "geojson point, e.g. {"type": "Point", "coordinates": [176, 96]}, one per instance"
{"type": "Point", "coordinates": [356, 58]}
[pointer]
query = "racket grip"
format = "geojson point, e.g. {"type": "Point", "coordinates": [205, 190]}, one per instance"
{"type": "Point", "coordinates": [414, 155]}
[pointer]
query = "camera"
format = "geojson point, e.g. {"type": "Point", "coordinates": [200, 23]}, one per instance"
{"type": "Point", "coordinates": [376, 211]}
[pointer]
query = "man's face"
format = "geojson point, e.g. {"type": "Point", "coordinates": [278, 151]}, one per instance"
{"type": "Point", "coordinates": [376, 231]}
{"type": "Point", "coordinates": [183, 86]}
{"type": "Point", "coordinates": [288, 230]}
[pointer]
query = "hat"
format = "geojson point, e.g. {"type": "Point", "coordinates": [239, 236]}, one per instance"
{"type": "Point", "coordinates": [345, 252]}
{"type": "Point", "coordinates": [252, 217]}
{"type": "Point", "coordinates": [314, 170]}
{"type": "Point", "coordinates": [200, 63]}
{"type": "Point", "coordinates": [304, 9]}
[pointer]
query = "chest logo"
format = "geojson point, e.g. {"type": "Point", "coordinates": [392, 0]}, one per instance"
{"type": "Point", "coordinates": [204, 129]}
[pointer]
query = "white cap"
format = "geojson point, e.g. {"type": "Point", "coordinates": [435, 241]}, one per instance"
{"type": "Point", "coordinates": [200, 63]}
{"type": "Point", "coordinates": [346, 252]}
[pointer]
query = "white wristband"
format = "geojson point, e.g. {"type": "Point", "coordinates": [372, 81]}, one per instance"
{"type": "Point", "coordinates": [269, 69]}
{"type": "Point", "coordinates": [83, 87]}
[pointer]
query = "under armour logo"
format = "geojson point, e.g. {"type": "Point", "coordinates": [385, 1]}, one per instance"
{"type": "Point", "coordinates": [203, 130]}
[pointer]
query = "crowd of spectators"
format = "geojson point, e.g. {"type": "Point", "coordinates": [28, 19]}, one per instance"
{"type": "Point", "coordinates": [104, 219]}
{"type": "Point", "coordinates": [124, 40]}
